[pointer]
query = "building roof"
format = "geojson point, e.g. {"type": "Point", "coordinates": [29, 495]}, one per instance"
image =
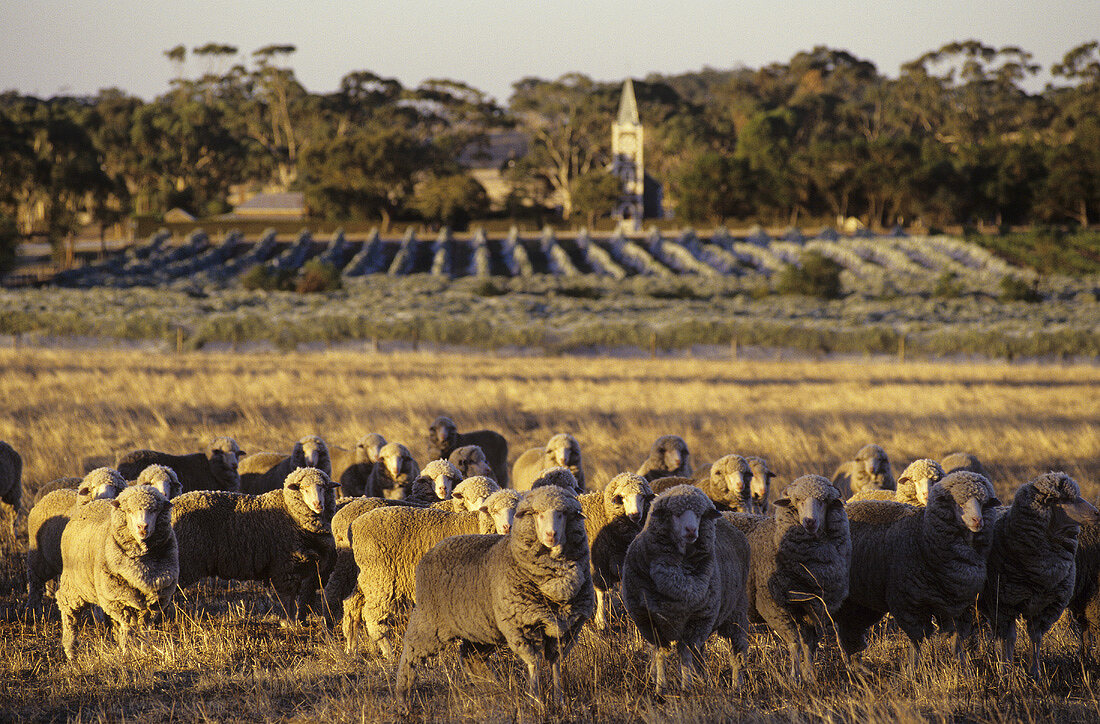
{"type": "Point", "coordinates": [494, 150]}
{"type": "Point", "coordinates": [628, 105]}
{"type": "Point", "coordinates": [290, 201]}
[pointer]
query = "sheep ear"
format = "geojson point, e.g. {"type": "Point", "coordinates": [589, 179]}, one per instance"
{"type": "Point", "coordinates": [903, 480]}
{"type": "Point", "coordinates": [782, 503]}
{"type": "Point", "coordinates": [114, 502]}
{"type": "Point", "coordinates": [484, 509]}
{"type": "Point", "coordinates": [456, 494]}
{"type": "Point", "coordinates": [711, 514]}
{"type": "Point", "coordinates": [293, 486]}
{"type": "Point", "coordinates": [332, 485]}
{"type": "Point", "coordinates": [993, 500]}
{"type": "Point", "coordinates": [241, 453]}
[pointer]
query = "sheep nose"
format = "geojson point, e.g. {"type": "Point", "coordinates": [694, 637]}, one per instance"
{"type": "Point", "coordinates": [635, 516]}
{"type": "Point", "coordinates": [810, 524]}
{"type": "Point", "coordinates": [691, 534]}
{"type": "Point", "coordinates": [973, 523]}
{"type": "Point", "coordinates": [143, 529]}
{"type": "Point", "coordinates": [507, 528]}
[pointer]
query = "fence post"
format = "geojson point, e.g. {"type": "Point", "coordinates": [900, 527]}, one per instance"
{"type": "Point", "coordinates": [653, 346]}
{"type": "Point", "coordinates": [901, 348]}
{"type": "Point", "coordinates": [733, 348]}
{"type": "Point", "coordinates": [179, 340]}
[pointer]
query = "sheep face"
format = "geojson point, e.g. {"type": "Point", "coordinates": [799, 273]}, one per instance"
{"type": "Point", "coordinates": [397, 460]}
{"type": "Point", "coordinates": [474, 491]}
{"type": "Point", "coordinates": [760, 485]}
{"type": "Point", "coordinates": [550, 529]}
{"type": "Point", "coordinates": [564, 450]}
{"type": "Point", "coordinates": [311, 452]}
{"type": "Point", "coordinates": [550, 518]}
{"type": "Point", "coordinates": [161, 477]}
{"type": "Point", "coordinates": [922, 475]}
{"type": "Point", "coordinates": [673, 452]}
{"type": "Point", "coordinates": [145, 513]}
{"type": "Point", "coordinates": [732, 475]}
{"type": "Point", "coordinates": [628, 494]}
{"type": "Point", "coordinates": [444, 476]}
{"type": "Point", "coordinates": [442, 433]}
{"type": "Point", "coordinates": [807, 502]}
{"type": "Point", "coordinates": [501, 507]}
{"type": "Point", "coordinates": [369, 448]}
{"type": "Point", "coordinates": [470, 460]}
{"type": "Point", "coordinates": [873, 460]}
{"type": "Point", "coordinates": [225, 453]}
{"type": "Point", "coordinates": [101, 484]}
{"type": "Point", "coordinates": [315, 488]}
{"type": "Point", "coordinates": [969, 514]}
{"type": "Point", "coordinates": [1060, 494]}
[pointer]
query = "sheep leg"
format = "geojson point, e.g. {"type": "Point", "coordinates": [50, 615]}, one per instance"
{"type": "Point", "coordinates": [687, 665]}
{"type": "Point", "coordinates": [914, 656]}
{"type": "Point", "coordinates": [1007, 651]}
{"type": "Point", "coordinates": [68, 625]}
{"type": "Point", "coordinates": [795, 650]}
{"type": "Point", "coordinates": [1035, 633]}
{"type": "Point", "coordinates": [603, 617]}
{"type": "Point", "coordinates": [406, 673]}
{"type": "Point", "coordinates": [552, 648]}
{"type": "Point", "coordinates": [658, 670]}
{"type": "Point", "coordinates": [964, 625]}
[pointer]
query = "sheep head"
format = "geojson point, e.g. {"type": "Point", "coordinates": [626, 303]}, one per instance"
{"type": "Point", "coordinates": [443, 433]}
{"type": "Point", "coordinates": [311, 452]}
{"type": "Point", "coordinates": [141, 518]}
{"type": "Point", "coordinates": [161, 477]}
{"type": "Point", "coordinates": [672, 453]}
{"type": "Point", "coordinates": [501, 508]}
{"type": "Point", "coordinates": [967, 495]}
{"type": "Point", "coordinates": [225, 453]}
{"type": "Point", "coordinates": [369, 448]}
{"type": "Point", "coordinates": [1057, 496]}
{"type": "Point", "coordinates": [731, 476]}
{"type": "Point", "coordinates": [807, 502]}
{"type": "Point", "coordinates": [922, 475]}
{"type": "Point", "coordinates": [470, 460]}
{"type": "Point", "coordinates": [686, 514]}
{"type": "Point", "coordinates": [561, 477]}
{"type": "Point", "coordinates": [444, 476]}
{"type": "Point", "coordinates": [627, 494]}
{"type": "Point", "coordinates": [397, 461]}
{"type": "Point", "coordinates": [313, 488]}
{"type": "Point", "coordinates": [550, 518]}
{"type": "Point", "coordinates": [760, 485]}
{"type": "Point", "coordinates": [101, 484]}
{"type": "Point", "coordinates": [474, 491]}
{"type": "Point", "coordinates": [563, 450]}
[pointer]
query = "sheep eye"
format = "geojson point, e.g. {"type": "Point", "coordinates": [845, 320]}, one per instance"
{"type": "Point", "coordinates": [618, 499]}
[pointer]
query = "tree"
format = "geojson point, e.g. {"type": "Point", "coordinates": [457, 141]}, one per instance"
{"type": "Point", "coordinates": [364, 174]}
{"type": "Point", "coordinates": [452, 200]}
{"type": "Point", "coordinates": [714, 186]}
{"type": "Point", "coordinates": [569, 121]}
{"type": "Point", "coordinates": [596, 194]}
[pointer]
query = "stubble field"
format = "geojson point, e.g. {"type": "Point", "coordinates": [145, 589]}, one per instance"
{"type": "Point", "coordinates": [226, 658]}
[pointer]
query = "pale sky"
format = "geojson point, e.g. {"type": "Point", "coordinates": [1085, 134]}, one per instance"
{"type": "Point", "coordinates": [52, 47]}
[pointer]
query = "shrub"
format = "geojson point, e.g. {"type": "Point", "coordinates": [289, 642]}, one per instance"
{"type": "Point", "coordinates": [815, 275]}
{"type": "Point", "coordinates": [1015, 289]}
{"type": "Point", "coordinates": [947, 285]}
{"type": "Point", "coordinates": [488, 288]}
{"type": "Point", "coordinates": [265, 278]}
{"type": "Point", "coordinates": [317, 276]}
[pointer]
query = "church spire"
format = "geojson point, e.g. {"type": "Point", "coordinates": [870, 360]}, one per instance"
{"type": "Point", "coordinates": [628, 106]}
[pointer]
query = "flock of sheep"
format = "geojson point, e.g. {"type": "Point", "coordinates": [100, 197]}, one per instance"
{"type": "Point", "coordinates": [469, 551]}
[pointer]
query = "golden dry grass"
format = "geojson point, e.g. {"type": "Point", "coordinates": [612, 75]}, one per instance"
{"type": "Point", "coordinates": [236, 663]}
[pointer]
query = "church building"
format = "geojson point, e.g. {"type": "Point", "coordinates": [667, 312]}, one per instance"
{"type": "Point", "coordinates": [642, 195]}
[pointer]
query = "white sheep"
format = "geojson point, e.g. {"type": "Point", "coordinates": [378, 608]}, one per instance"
{"type": "Point", "coordinates": [800, 565]}
{"type": "Point", "coordinates": [214, 469]}
{"type": "Point", "coordinates": [257, 476]}
{"type": "Point", "coordinates": [684, 579]}
{"type": "Point", "coordinates": [283, 536]}
{"type": "Point", "coordinates": [562, 450]}
{"type": "Point", "coordinates": [913, 484]}
{"type": "Point", "coordinates": [869, 471]}
{"type": "Point", "coordinates": [46, 523]}
{"type": "Point", "coordinates": [387, 543]}
{"type": "Point", "coordinates": [350, 468]}
{"type": "Point", "coordinates": [120, 555]}
{"type": "Point", "coordinates": [530, 589]}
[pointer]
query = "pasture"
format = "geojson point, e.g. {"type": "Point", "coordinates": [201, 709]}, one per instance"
{"type": "Point", "coordinates": [227, 658]}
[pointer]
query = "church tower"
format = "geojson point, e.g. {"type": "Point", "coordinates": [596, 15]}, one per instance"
{"type": "Point", "coordinates": [628, 162]}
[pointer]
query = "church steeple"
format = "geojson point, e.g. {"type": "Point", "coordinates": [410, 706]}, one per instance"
{"type": "Point", "coordinates": [627, 156]}
{"type": "Point", "coordinates": [628, 106]}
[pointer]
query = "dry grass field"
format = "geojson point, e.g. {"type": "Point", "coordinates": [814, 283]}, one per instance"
{"type": "Point", "coordinates": [227, 659]}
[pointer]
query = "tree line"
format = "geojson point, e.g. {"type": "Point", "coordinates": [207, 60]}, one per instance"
{"type": "Point", "coordinates": [956, 137]}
